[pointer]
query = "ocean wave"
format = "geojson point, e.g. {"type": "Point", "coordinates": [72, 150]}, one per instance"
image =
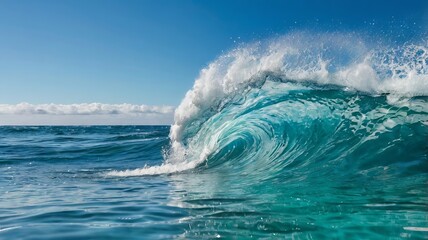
{"type": "Point", "coordinates": [282, 105]}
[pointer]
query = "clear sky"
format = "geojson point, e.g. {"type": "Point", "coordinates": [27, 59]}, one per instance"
{"type": "Point", "coordinates": [150, 52]}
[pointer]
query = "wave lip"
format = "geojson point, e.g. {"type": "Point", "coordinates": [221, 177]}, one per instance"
{"type": "Point", "coordinates": [324, 59]}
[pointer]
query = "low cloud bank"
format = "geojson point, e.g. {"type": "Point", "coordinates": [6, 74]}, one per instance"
{"type": "Point", "coordinates": [84, 114]}
{"type": "Point", "coordinates": [83, 109]}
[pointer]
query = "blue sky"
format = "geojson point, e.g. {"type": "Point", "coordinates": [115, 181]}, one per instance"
{"type": "Point", "coordinates": [150, 52]}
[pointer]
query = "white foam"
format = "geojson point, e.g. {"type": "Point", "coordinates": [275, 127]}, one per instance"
{"type": "Point", "coordinates": [176, 161]}
{"type": "Point", "coordinates": [416, 229]}
{"type": "Point", "coordinates": [154, 170]}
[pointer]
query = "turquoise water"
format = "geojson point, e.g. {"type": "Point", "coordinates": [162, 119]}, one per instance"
{"type": "Point", "coordinates": [339, 176]}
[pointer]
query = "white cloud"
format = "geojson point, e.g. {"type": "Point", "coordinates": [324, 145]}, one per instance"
{"type": "Point", "coordinates": [84, 114]}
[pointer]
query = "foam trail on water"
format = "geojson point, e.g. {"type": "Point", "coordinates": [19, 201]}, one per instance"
{"type": "Point", "coordinates": [154, 170]}
{"type": "Point", "coordinates": [168, 167]}
{"type": "Point", "coordinates": [308, 61]}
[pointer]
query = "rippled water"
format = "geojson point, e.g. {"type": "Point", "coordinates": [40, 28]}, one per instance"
{"type": "Point", "coordinates": [55, 185]}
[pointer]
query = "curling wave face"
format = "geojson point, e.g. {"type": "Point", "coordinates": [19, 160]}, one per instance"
{"type": "Point", "coordinates": [275, 107]}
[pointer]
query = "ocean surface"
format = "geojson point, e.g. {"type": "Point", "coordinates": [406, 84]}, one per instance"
{"type": "Point", "coordinates": [299, 137]}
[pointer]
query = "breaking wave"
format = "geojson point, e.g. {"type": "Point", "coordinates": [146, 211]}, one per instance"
{"type": "Point", "coordinates": [304, 103]}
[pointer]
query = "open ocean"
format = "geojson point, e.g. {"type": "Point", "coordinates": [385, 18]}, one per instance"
{"type": "Point", "coordinates": [301, 137]}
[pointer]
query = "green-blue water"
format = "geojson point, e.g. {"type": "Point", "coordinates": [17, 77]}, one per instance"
{"type": "Point", "coordinates": [338, 177]}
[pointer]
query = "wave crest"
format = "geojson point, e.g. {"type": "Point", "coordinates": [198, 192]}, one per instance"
{"type": "Point", "coordinates": [269, 104]}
